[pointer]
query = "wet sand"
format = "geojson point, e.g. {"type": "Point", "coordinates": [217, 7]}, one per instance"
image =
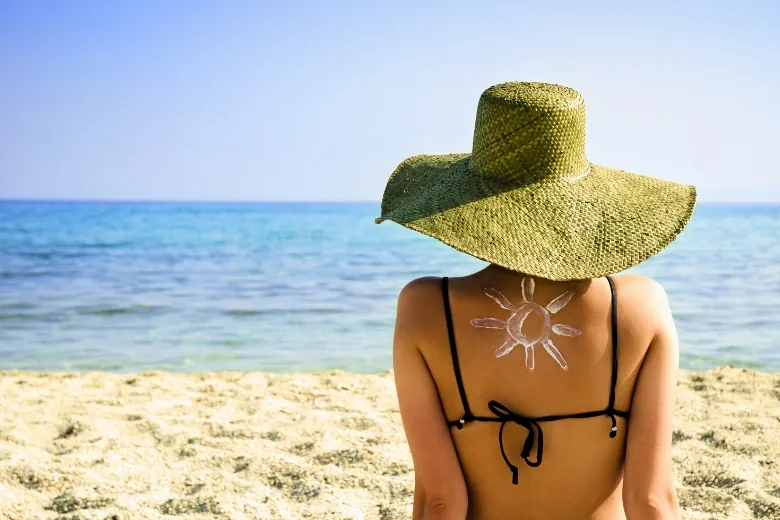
{"type": "Point", "coordinates": [253, 445]}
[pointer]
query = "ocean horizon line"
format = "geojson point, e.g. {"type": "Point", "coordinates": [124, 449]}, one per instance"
{"type": "Point", "coordinates": [4, 200]}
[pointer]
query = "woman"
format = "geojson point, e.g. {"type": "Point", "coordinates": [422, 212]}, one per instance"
{"type": "Point", "coordinates": [540, 386]}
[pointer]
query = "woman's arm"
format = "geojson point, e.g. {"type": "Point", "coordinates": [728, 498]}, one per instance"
{"type": "Point", "coordinates": [440, 490]}
{"type": "Point", "coordinates": [648, 486]}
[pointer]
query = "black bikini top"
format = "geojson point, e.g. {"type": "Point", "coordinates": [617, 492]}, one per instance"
{"type": "Point", "coordinates": [504, 415]}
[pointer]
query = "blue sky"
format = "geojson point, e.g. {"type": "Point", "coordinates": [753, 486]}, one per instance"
{"type": "Point", "coordinates": [204, 100]}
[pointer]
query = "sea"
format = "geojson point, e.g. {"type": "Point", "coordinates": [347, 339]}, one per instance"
{"type": "Point", "coordinates": [287, 287]}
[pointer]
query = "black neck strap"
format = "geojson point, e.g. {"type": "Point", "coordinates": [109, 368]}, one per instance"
{"type": "Point", "coordinates": [614, 344]}
{"type": "Point", "coordinates": [454, 349]}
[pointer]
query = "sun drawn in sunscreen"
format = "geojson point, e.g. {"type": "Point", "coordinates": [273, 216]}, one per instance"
{"type": "Point", "coordinates": [513, 326]}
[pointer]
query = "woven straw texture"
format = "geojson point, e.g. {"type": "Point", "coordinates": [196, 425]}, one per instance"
{"type": "Point", "coordinates": [528, 199]}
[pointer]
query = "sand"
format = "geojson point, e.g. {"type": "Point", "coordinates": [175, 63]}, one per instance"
{"type": "Point", "coordinates": [254, 445]}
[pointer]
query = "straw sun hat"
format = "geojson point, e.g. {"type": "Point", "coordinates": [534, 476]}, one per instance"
{"type": "Point", "coordinates": [528, 199]}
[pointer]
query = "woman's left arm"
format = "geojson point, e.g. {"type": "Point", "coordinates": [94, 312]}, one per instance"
{"type": "Point", "coordinates": [440, 489]}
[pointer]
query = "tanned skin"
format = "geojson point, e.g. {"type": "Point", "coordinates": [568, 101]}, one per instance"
{"type": "Point", "coordinates": [586, 474]}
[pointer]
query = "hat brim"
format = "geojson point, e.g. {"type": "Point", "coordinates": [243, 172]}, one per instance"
{"type": "Point", "coordinates": [601, 223]}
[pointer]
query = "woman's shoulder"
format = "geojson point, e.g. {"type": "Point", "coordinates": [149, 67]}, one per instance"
{"type": "Point", "coordinates": [419, 304]}
{"type": "Point", "coordinates": [640, 289]}
{"type": "Point", "coordinates": [643, 305]}
{"type": "Point", "coordinates": [421, 288]}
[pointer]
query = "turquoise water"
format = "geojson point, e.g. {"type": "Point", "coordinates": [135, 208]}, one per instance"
{"type": "Point", "coordinates": [287, 287]}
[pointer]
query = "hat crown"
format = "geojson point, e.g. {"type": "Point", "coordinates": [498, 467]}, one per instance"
{"type": "Point", "coordinates": [530, 132]}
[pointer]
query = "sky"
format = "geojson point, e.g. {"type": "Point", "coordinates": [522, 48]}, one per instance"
{"type": "Point", "coordinates": [320, 101]}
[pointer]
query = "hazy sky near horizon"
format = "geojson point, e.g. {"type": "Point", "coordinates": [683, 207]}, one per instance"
{"type": "Point", "coordinates": [243, 100]}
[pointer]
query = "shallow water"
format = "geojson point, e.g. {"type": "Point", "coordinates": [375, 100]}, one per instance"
{"type": "Point", "coordinates": [291, 287]}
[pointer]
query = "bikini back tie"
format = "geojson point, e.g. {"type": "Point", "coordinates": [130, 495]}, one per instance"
{"type": "Point", "coordinates": [503, 415]}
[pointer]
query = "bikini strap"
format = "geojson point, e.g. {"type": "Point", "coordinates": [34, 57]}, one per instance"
{"type": "Point", "coordinates": [611, 408]}
{"type": "Point", "coordinates": [467, 417]}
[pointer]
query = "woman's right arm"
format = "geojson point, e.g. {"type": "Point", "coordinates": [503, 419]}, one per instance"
{"type": "Point", "coordinates": [648, 485]}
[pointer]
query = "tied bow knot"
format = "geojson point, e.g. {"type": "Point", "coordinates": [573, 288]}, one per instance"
{"type": "Point", "coordinates": [535, 436]}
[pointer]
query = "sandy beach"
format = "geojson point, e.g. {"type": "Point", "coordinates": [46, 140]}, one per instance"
{"type": "Point", "coordinates": [255, 445]}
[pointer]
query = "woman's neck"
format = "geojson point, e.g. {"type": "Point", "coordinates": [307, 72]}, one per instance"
{"type": "Point", "coordinates": [500, 275]}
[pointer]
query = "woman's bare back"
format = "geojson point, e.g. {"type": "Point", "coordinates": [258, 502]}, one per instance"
{"type": "Point", "coordinates": [538, 348]}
